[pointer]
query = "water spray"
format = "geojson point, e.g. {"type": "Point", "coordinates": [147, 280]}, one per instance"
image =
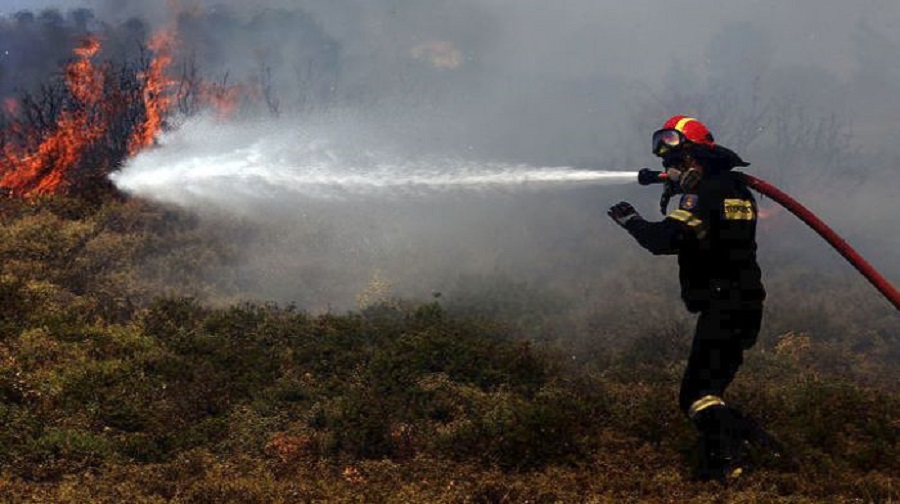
{"type": "Point", "coordinates": [206, 163]}
{"type": "Point", "coordinates": [647, 177]}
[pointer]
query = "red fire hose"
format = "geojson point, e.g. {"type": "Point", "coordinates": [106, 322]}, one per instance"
{"type": "Point", "coordinates": [829, 235]}
{"type": "Point", "coordinates": [647, 177]}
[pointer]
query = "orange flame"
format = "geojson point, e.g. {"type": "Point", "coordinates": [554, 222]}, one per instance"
{"type": "Point", "coordinates": [225, 99]}
{"type": "Point", "coordinates": [768, 213]}
{"type": "Point", "coordinates": [157, 98]}
{"type": "Point", "coordinates": [43, 170]}
{"type": "Point", "coordinates": [39, 162]}
{"type": "Point", "coordinates": [770, 218]}
{"type": "Point", "coordinates": [11, 106]}
{"type": "Point", "coordinates": [440, 54]}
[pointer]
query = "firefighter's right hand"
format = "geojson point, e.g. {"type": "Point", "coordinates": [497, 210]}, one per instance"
{"type": "Point", "coordinates": [622, 213]}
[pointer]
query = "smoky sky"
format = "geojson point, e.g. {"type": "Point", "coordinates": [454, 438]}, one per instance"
{"type": "Point", "coordinates": [577, 78]}
{"type": "Point", "coordinates": [804, 90]}
{"type": "Point", "coordinates": [638, 38]}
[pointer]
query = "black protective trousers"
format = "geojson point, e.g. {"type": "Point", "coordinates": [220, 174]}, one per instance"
{"type": "Point", "coordinates": [724, 330]}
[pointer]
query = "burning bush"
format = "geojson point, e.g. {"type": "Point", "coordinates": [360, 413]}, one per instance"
{"type": "Point", "coordinates": [64, 132]}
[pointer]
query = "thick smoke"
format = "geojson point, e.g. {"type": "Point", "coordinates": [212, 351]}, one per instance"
{"type": "Point", "coordinates": [803, 91]}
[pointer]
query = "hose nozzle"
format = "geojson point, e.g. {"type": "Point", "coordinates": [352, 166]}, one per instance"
{"type": "Point", "coordinates": [646, 176]}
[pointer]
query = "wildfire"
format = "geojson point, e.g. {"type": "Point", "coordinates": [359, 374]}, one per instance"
{"type": "Point", "coordinates": [42, 170]}
{"type": "Point", "coordinates": [38, 160]}
{"type": "Point", "coordinates": [157, 98]}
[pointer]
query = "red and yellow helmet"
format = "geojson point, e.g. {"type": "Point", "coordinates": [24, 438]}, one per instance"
{"type": "Point", "coordinates": [680, 131]}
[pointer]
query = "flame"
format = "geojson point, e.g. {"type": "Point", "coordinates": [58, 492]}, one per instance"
{"type": "Point", "coordinates": [768, 213]}
{"type": "Point", "coordinates": [11, 106]}
{"type": "Point", "coordinates": [43, 170]}
{"type": "Point", "coordinates": [159, 95]}
{"type": "Point", "coordinates": [156, 92]}
{"type": "Point", "coordinates": [770, 217]}
{"type": "Point", "coordinates": [38, 161]}
{"type": "Point", "coordinates": [440, 54]}
{"type": "Point", "coordinates": [224, 98]}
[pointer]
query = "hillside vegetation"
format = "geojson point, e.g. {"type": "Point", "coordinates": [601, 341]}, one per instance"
{"type": "Point", "coordinates": [130, 372]}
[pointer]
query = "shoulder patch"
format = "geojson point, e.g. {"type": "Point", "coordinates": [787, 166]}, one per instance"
{"type": "Point", "coordinates": [688, 202]}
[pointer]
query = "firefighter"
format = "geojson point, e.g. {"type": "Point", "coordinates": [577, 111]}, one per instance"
{"type": "Point", "coordinates": [713, 233]}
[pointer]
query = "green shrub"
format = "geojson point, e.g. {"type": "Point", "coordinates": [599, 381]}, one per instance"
{"type": "Point", "coordinates": [58, 452]}
{"type": "Point", "coordinates": [109, 392]}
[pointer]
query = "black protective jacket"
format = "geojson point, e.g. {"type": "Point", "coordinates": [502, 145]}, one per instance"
{"type": "Point", "coordinates": [713, 231]}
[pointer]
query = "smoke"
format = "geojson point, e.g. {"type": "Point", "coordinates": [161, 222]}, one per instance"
{"type": "Point", "coordinates": [805, 91]}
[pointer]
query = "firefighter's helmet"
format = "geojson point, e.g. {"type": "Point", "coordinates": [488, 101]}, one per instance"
{"type": "Point", "coordinates": [679, 132]}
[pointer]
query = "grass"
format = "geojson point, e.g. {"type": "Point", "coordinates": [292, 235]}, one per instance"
{"type": "Point", "coordinates": [119, 383]}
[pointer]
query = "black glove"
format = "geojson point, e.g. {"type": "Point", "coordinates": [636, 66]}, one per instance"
{"type": "Point", "coordinates": [622, 213]}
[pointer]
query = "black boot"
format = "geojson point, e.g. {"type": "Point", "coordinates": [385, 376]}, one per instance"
{"type": "Point", "coordinates": [722, 448]}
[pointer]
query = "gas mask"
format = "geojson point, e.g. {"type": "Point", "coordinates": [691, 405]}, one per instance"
{"type": "Point", "coordinates": [678, 179]}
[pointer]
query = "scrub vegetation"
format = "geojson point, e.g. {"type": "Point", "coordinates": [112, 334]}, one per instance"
{"type": "Point", "coordinates": [141, 359]}
{"type": "Point", "coordinates": [130, 371]}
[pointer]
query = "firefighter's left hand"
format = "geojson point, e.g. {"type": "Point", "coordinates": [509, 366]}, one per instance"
{"type": "Point", "coordinates": [622, 213]}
